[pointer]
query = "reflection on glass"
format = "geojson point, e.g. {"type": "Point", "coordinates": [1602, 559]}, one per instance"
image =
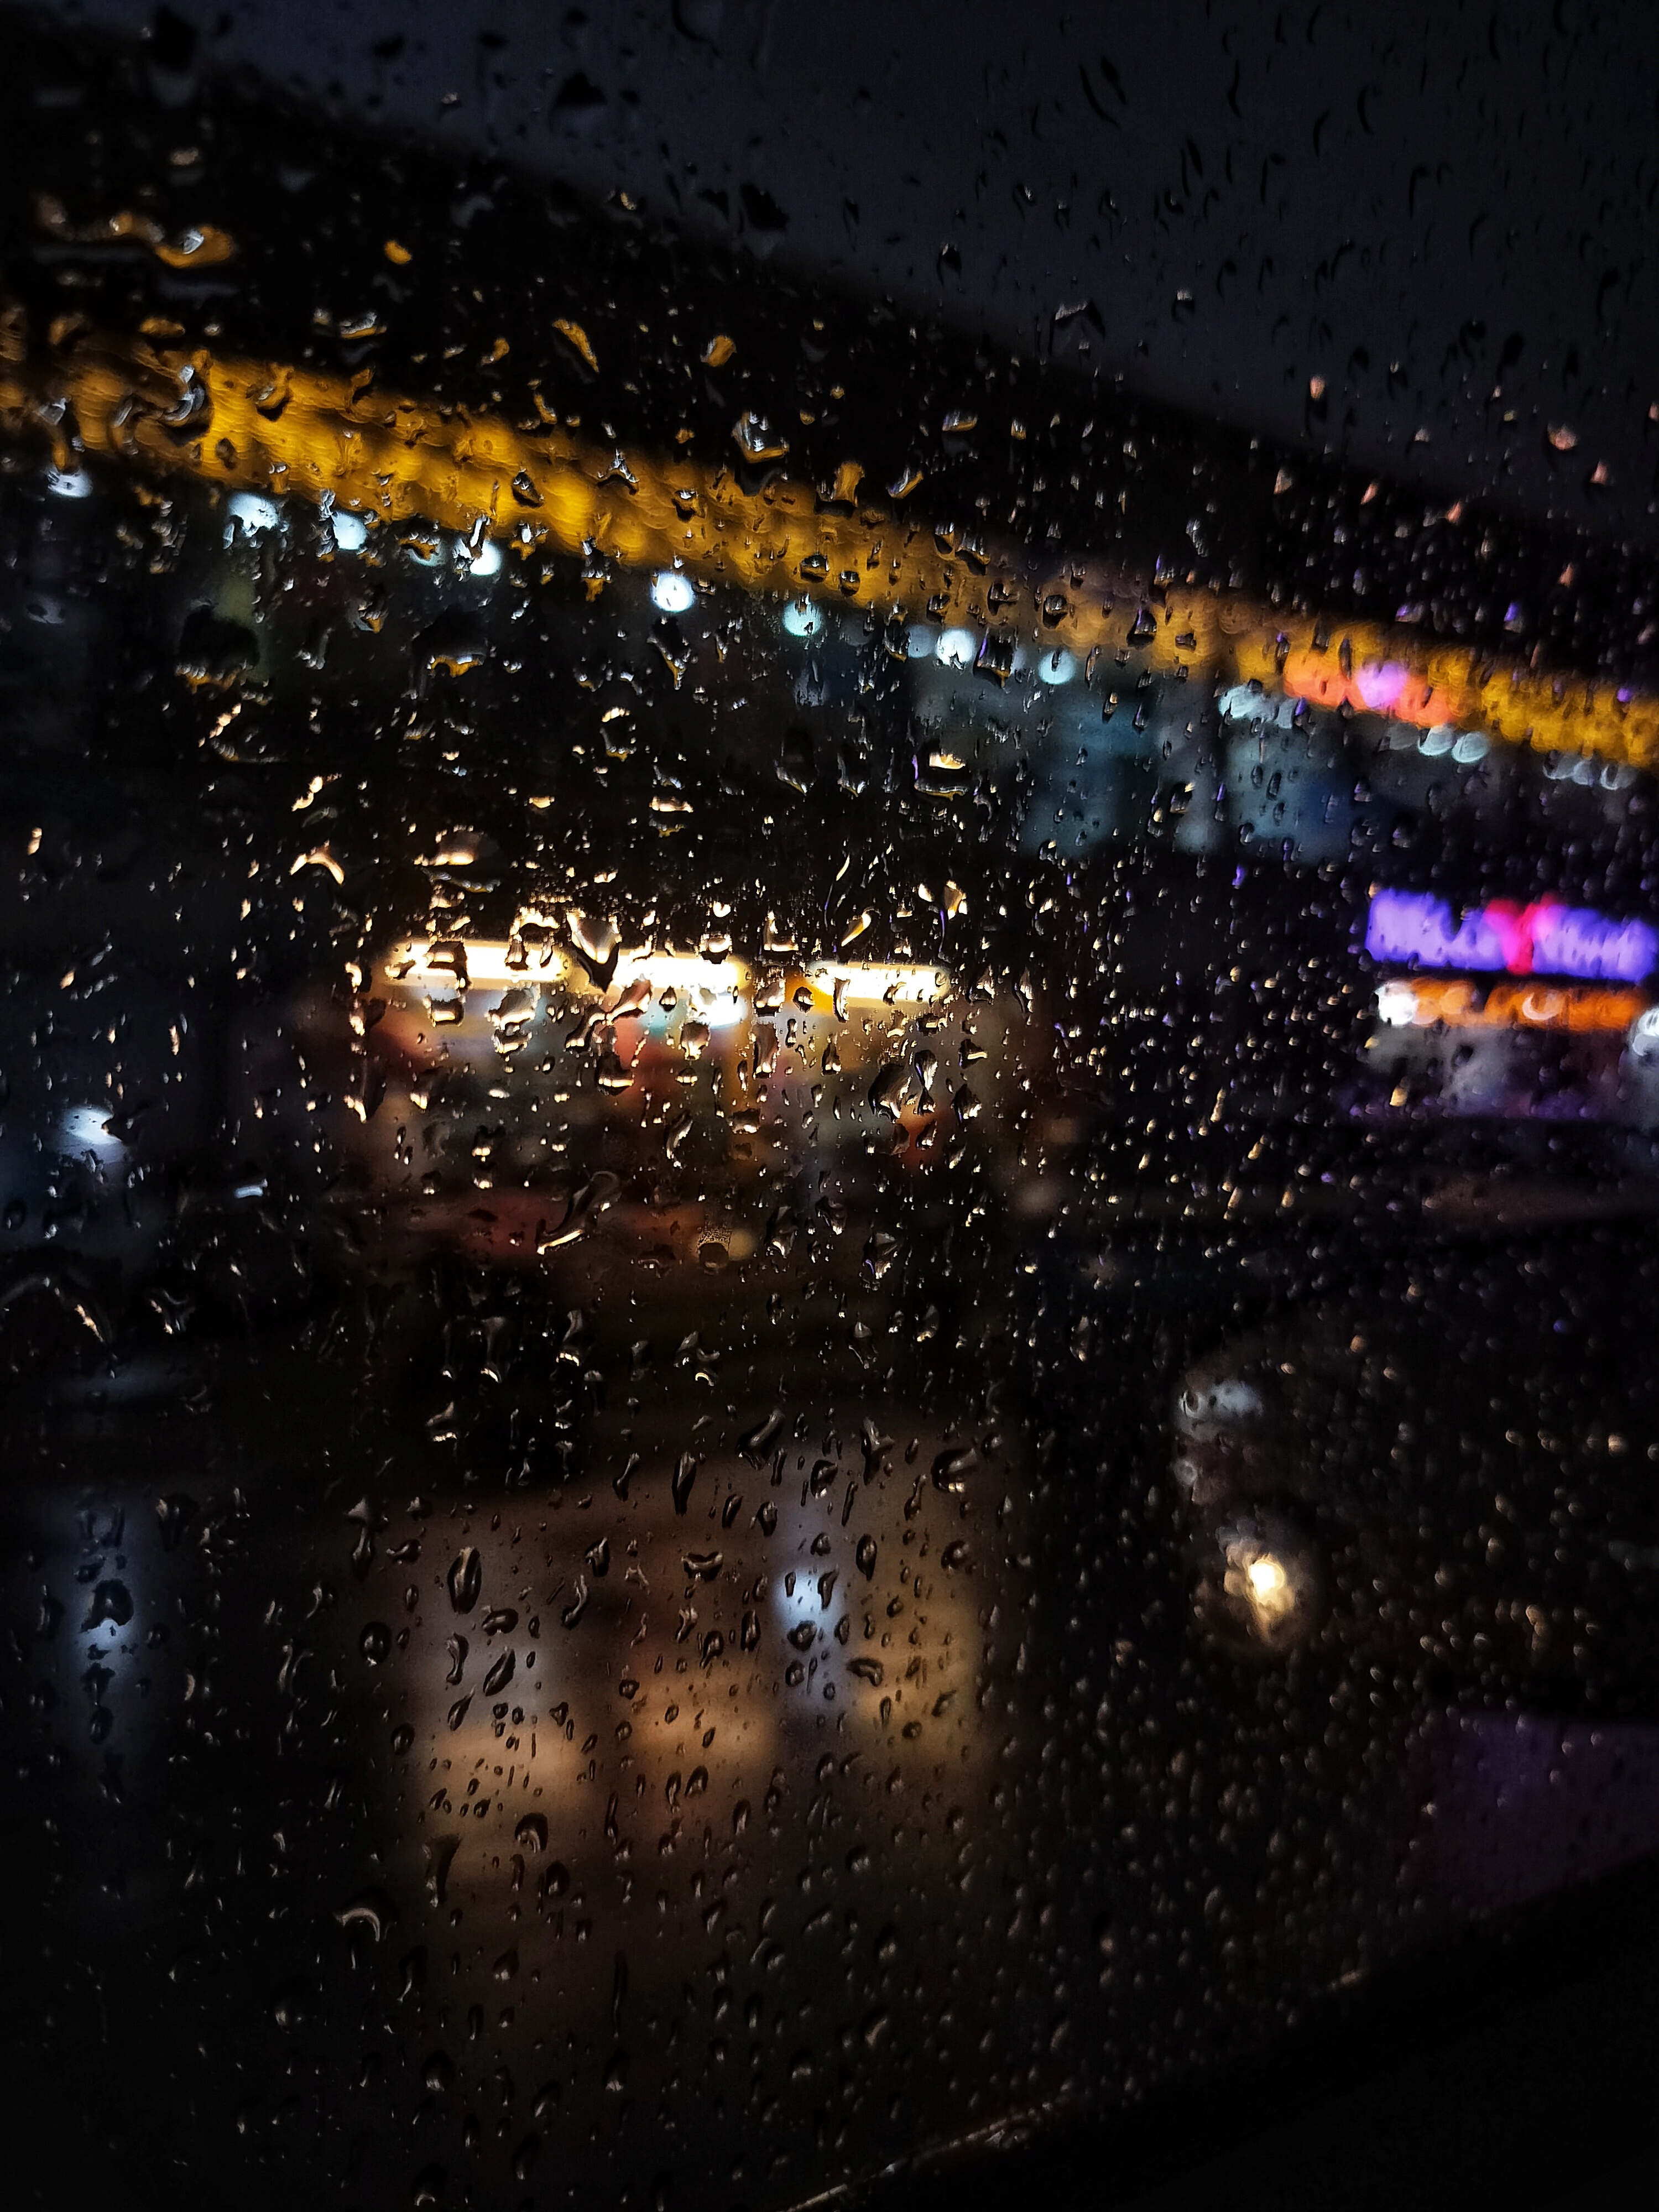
{"type": "Point", "coordinates": [811, 1290]}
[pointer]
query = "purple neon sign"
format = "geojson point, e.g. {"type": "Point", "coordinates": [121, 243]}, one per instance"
{"type": "Point", "coordinates": [1542, 938]}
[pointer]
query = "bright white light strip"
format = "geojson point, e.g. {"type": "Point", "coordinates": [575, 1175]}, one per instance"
{"type": "Point", "coordinates": [406, 969]}
{"type": "Point", "coordinates": [682, 971]}
{"type": "Point", "coordinates": [869, 982]}
{"type": "Point", "coordinates": [686, 975]}
{"type": "Point", "coordinates": [487, 968]}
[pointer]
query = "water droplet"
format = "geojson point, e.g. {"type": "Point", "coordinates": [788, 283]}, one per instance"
{"type": "Point", "coordinates": [466, 1579]}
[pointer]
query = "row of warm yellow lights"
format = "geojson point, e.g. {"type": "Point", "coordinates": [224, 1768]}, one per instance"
{"type": "Point", "coordinates": [506, 965]}
{"type": "Point", "coordinates": [401, 461]}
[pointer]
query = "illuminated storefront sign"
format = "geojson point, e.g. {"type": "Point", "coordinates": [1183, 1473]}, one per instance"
{"type": "Point", "coordinates": [1402, 1003]}
{"type": "Point", "coordinates": [1544, 938]}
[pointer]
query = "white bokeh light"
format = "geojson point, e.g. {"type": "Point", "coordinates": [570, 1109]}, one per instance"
{"type": "Point", "coordinates": [671, 592]}
{"type": "Point", "coordinates": [84, 1129]}
{"type": "Point", "coordinates": [247, 512]}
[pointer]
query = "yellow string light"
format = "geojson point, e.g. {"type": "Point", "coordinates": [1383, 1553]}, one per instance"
{"type": "Point", "coordinates": [289, 431]}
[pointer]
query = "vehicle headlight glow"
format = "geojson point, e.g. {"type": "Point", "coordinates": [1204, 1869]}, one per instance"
{"type": "Point", "coordinates": [1262, 1586]}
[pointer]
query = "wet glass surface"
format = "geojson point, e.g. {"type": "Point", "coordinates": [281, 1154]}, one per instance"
{"type": "Point", "coordinates": [828, 1210]}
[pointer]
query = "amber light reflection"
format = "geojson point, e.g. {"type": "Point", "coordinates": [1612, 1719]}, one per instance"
{"type": "Point", "coordinates": [660, 1695]}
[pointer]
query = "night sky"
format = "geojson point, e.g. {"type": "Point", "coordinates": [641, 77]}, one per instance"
{"type": "Point", "coordinates": [1421, 205]}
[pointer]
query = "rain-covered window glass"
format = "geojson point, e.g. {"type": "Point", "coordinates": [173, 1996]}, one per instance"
{"type": "Point", "coordinates": [829, 1179]}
